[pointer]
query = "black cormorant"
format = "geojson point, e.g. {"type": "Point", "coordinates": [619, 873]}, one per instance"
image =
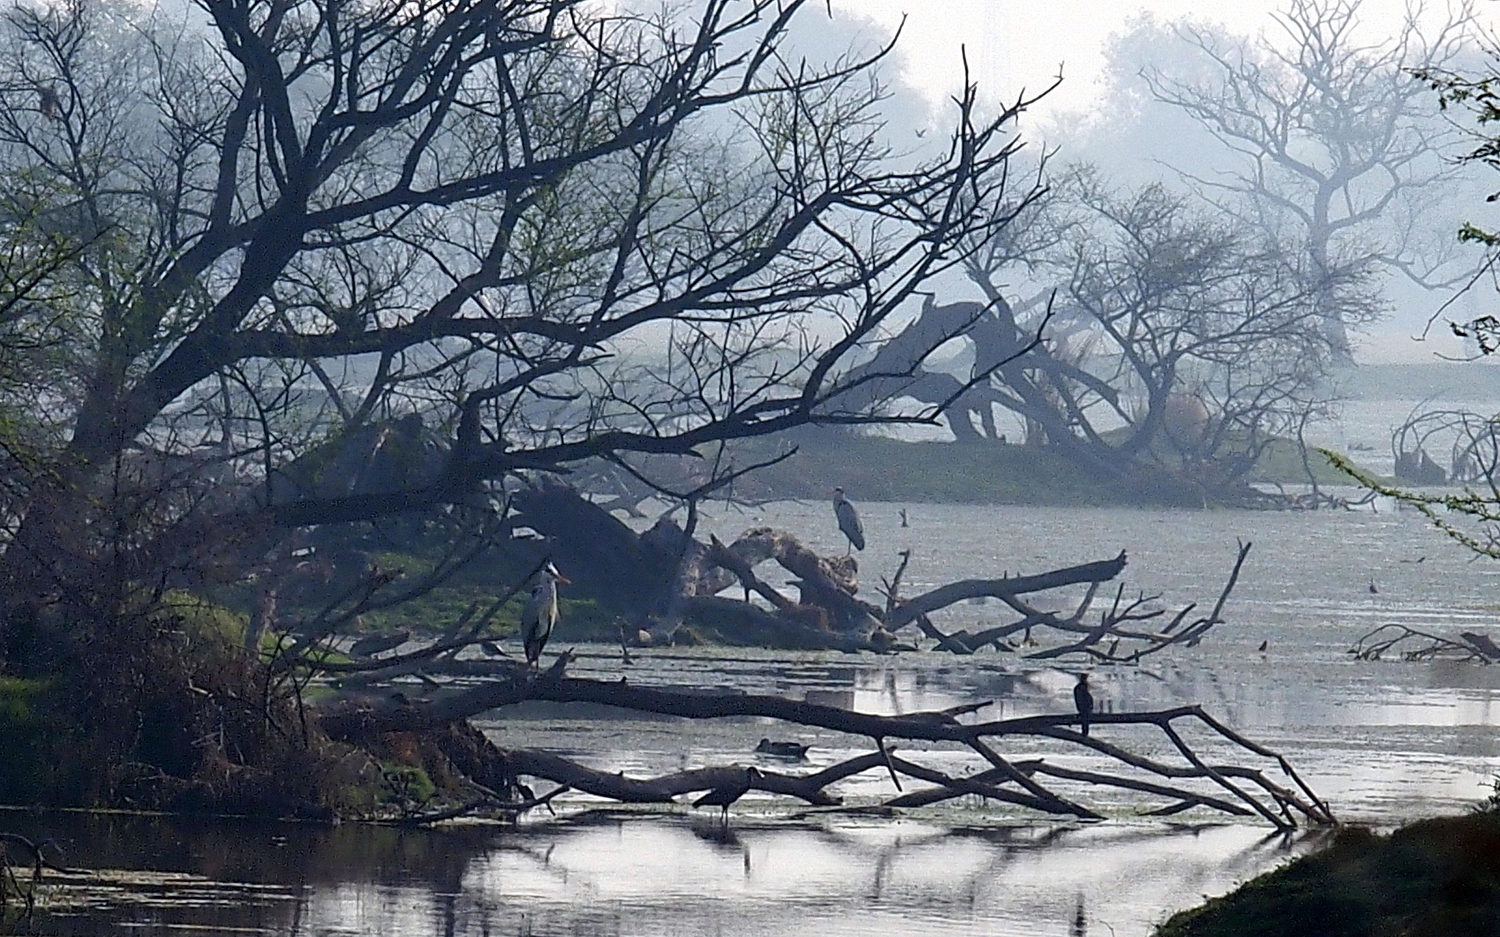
{"type": "Point", "coordinates": [1084, 700]}
{"type": "Point", "coordinates": [722, 797]}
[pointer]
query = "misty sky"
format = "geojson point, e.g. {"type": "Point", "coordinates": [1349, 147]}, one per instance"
{"type": "Point", "coordinates": [1013, 44]}
{"type": "Point", "coordinates": [1016, 45]}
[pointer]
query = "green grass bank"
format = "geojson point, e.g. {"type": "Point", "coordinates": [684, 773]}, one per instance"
{"type": "Point", "coordinates": [878, 468]}
{"type": "Point", "coordinates": [1434, 878]}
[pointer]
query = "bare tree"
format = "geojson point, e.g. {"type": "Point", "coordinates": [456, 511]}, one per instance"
{"type": "Point", "coordinates": [1335, 144]}
{"type": "Point", "coordinates": [1181, 346]}
{"type": "Point", "coordinates": [1475, 94]}
{"type": "Point", "coordinates": [492, 209]}
{"type": "Point", "coordinates": [474, 239]}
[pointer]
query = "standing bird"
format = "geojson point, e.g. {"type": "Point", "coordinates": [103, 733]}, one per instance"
{"type": "Point", "coordinates": [540, 613]}
{"type": "Point", "coordinates": [722, 797]}
{"type": "Point", "coordinates": [1084, 700]}
{"type": "Point", "coordinates": [849, 522]}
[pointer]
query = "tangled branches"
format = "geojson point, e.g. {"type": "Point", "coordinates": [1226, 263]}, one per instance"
{"type": "Point", "coordinates": [1233, 789]}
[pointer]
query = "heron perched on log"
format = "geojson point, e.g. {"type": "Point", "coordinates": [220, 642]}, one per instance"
{"type": "Point", "coordinates": [1084, 700]}
{"type": "Point", "coordinates": [849, 522]}
{"type": "Point", "coordinates": [727, 794]}
{"type": "Point", "coordinates": [540, 613]}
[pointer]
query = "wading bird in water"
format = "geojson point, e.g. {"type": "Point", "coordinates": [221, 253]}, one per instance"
{"type": "Point", "coordinates": [540, 613]}
{"type": "Point", "coordinates": [848, 518]}
{"type": "Point", "coordinates": [722, 797]}
{"type": "Point", "coordinates": [1084, 700]}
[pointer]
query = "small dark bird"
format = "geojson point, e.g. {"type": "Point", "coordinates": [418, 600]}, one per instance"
{"type": "Point", "coordinates": [374, 644]}
{"type": "Point", "coordinates": [848, 518]}
{"type": "Point", "coordinates": [492, 649]}
{"type": "Point", "coordinates": [1084, 700]}
{"type": "Point", "coordinates": [540, 614]}
{"type": "Point", "coordinates": [1374, 590]}
{"type": "Point", "coordinates": [49, 104]}
{"type": "Point", "coordinates": [722, 797]}
{"type": "Point", "coordinates": [793, 750]}
{"type": "Point", "coordinates": [904, 522]}
{"type": "Point", "coordinates": [1264, 645]}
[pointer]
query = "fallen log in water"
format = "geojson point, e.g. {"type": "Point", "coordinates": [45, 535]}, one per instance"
{"type": "Point", "coordinates": [675, 584]}
{"type": "Point", "coordinates": [1234, 789]}
{"type": "Point", "coordinates": [1409, 643]}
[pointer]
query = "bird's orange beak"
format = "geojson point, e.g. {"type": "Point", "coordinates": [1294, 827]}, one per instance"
{"type": "Point", "coordinates": [563, 579]}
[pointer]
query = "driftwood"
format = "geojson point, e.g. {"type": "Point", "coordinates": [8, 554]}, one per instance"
{"type": "Point", "coordinates": [664, 580]}
{"type": "Point", "coordinates": [1234, 789]}
{"type": "Point", "coordinates": [1414, 644]}
{"type": "Point", "coordinates": [674, 582]}
{"type": "Point", "coordinates": [1102, 642]}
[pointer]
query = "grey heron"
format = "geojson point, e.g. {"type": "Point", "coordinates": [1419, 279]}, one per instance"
{"type": "Point", "coordinates": [540, 613]}
{"type": "Point", "coordinates": [722, 797]}
{"type": "Point", "coordinates": [849, 522]}
{"type": "Point", "coordinates": [1084, 700]}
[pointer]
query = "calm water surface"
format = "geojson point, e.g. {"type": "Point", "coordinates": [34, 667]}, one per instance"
{"type": "Point", "coordinates": [1384, 742]}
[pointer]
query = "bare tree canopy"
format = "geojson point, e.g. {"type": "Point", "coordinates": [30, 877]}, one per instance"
{"type": "Point", "coordinates": [1333, 137]}
{"type": "Point", "coordinates": [559, 231]}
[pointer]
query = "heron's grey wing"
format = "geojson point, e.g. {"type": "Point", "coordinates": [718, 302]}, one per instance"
{"type": "Point", "coordinates": [850, 523]}
{"type": "Point", "coordinates": [549, 609]}
{"type": "Point", "coordinates": [531, 615]}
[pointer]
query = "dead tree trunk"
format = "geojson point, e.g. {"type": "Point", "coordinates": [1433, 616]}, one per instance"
{"type": "Point", "coordinates": [1231, 788]}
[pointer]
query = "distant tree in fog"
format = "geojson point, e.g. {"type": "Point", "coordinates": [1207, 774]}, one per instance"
{"type": "Point", "coordinates": [1182, 343]}
{"type": "Point", "coordinates": [1471, 98]}
{"type": "Point", "coordinates": [1330, 143]}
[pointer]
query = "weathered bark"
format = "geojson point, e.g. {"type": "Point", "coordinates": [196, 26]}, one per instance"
{"type": "Point", "coordinates": [1008, 587]}
{"type": "Point", "coordinates": [657, 790]}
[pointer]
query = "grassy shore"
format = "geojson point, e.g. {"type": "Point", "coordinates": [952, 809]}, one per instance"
{"type": "Point", "coordinates": [877, 468]}
{"type": "Point", "coordinates": [1434, 878]}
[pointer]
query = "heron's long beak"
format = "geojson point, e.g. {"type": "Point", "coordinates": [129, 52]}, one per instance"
{"type": "Point", "coordinates": [563, 579]}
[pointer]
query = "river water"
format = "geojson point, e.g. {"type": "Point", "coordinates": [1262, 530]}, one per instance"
{"type": "Point", "coordinates": [1382, 741]}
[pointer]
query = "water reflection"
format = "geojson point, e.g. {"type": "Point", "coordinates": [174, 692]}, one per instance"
{"type": "Point", "coordinates": [1384, 742]}
{"type": "Point", "coordinates": [613, 873]}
